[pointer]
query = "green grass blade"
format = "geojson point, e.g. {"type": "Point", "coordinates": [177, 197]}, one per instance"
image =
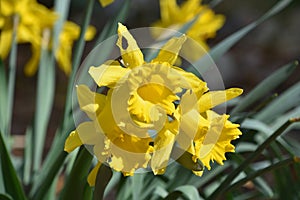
{"type": "Point", "coordinates": [44, 101]}
{"type": "Point", "coordinates": [277, 165]}
{"type": "Point", "coordinates": [189, 191]}
{"type": "Point", "coordinates": [104, 175]}
{"type": "Point", "coordinates": [3, 97]}
{"type": "Point", "coordinates": [111, 27]}
{"type": "Point", "coordinates": [219, 50]}
{"type": "Point", "coordinates": [286, 101]}
{"type": "Point", "coordinates": [12, 77]}
{"type": "Point", "coordinates": [267, 85]}
{"type": "Point", "coordinates": [11, 181]}
{"type": "Point", "coordinates": [137, 186]}
{"type": "Point", "coordinates": [27, 173]}
{"type": "Point", "coordinates": [5, 197]}
{"type": "Point", "coordinates": [77, 179]}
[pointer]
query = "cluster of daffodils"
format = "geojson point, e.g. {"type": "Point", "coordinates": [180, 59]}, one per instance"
{"type": "Point", "coordinates": [31, 20]}
{"type": "Point", "coordinates": [147, 109]}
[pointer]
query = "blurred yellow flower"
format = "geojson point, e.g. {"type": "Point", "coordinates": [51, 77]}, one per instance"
{"type": "Point", "coordinates": [149, 108]}
{"type": "Point", "coordinates": [34, 18]}
{"type": "Point", "coordinates": [173, 16]}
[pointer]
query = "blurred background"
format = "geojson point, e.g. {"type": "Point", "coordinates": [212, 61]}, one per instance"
{"type": "Point", "coordinates": [271, 45]}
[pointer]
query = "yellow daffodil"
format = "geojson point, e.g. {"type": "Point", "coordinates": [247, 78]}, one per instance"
{"type": "Point", "coordinates": [173, 16]}
{"type": "Point", "coordinates": [34, 18]}
{"type": "Point", "coordinates": [148, 109]}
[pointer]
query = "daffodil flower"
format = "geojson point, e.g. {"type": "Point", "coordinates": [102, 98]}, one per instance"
{"type": "Point", "coordinates": [173, 16]}
{"type": "Point", "coordinates": [34, 18]}
{"type": "Point", "coordinates": [149, 108]}
{"type": "Point", "coordinates": [105, 3]}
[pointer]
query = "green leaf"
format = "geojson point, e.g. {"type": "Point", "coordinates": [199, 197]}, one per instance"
{"type": "Point", "coordinates": [27, 176]}
{"type": "Point", "coordinates": [11, 182]}
{"type": "Point", "coordinates": [77, 179]}
{"type": "Point", "coordinates": [5, 197]}
{"type": "Point", "coordinates": [137, 186]}
{"type": "Point", "coordinates": [267, 85]}
{"type": "Point", "coordinates": [110, 28]}
{"type": "Point", "coordinates": [44, 102]}
{"type": "Point", "coordinates": [286, 101]}
{"type": "Point", "coordinates": [3, 97]}
{"type": "Point", "coordinates": [216, 52]}
{"type": "Point", "coordinates": [189, 191]}
{"type": "Point", "coordinates": [103, 177]}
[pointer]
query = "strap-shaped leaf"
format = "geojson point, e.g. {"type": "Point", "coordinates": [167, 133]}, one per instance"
{"type": "Point", "coordinates": [266, 86]}
{"type": "Point", "coordinates": [11, 182]}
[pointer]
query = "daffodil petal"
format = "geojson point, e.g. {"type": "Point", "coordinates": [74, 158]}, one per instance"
{"type": "Point", "coordinates": [107, 74]}
{"type": "Point", "coordinates": [32, 65]}
{"type": "Point", "coordinates": [130, 52]}
{"type": "Point", "coordinates": [5, 43]}
{"type": "Point", "coordinates": [72, 142]}
{"type": "Point", "coordinates": [214, 98]}
{"type": "Point", "coordinates": [170, 50]}
{"type": "Point", "coordinates": [90, 102]}
{"type": "Point", "coordinates": [217, 140]}
{"type": "Point", "coordinates": [105, 3]}
{"type": "Point", "coordinates": [93, 175]}
{"type": "Point", "coordinates": [163, 145]}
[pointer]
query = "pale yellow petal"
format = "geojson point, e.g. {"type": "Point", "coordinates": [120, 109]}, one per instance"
{"type": "Point", "coordinates": [93, 175]}
{"type": "Point", "coordinates": [72, 142]}
{"type": "Point", "coordinates": [214, 98]}
{"type": "Point", "coordinates": [170, 50]}
{"type": "Point", "coordinates": [105, 2]}
{"type": "Point", "coordinates": [32, 65]}
{"type": "Point", "coordinates": [130, 52]}
{"type": "Point", "coordinates": [217, 140]}
{"type": "Point", "coordinates": [90, 102]}
{"type": "Point", "coordinates": [163, 145]}
{"type": "Point", "coordinates": [108, 74]}
{"type": "Point", "coordinates": [5, 43]}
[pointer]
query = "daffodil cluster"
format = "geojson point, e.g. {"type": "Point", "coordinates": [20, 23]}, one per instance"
{"type": "Point", "coordinates": [148, 108]}
{"type": "Point", "coordinates": [31, 19]}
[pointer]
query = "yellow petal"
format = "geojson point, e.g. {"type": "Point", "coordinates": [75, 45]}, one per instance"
{"type": "Point", "coordinates": [163, 146]}
{"type": "Point", "coordinates": [217, 140]}
{"type": "Point", "coordinates": [32, 65]}
{"type": "Point", "coordinates": [130, 52]}
{"type": "Point", "coordinates": [105, 2]}
{"type": "Point", "coordinates": [170, 50]}
{"type": "Point", "coordinates": [93, 175]}
{"type": "Point", "coordinates": [214, 98]}
{"type": "Point", "coordinates": [88, 133]}
{"type": "Point", "coordinates": [107, 74]}
{"type": "Point", "coordinates": [90, 102]}
{"type": "Point", "coordinates": [5, 43]}
{"type": "Point", "coordinates": [191, 81]}
{"type": "Point", "coordinates": [72, 142]}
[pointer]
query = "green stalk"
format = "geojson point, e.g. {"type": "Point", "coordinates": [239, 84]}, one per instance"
{"type": "Point", "coordinates": [220, 190]}
{"type": "Point", "coordinates": [259, 173]}
{"type": "Point", "coordinates": [12, 75]}
{"type": "Point", "coordinates": [77, 179]}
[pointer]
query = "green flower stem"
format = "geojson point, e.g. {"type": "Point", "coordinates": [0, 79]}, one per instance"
{"type": "Point", "coordinates": [104, 175]}
{"type": "Point", "coordinates": [77, 179]}
{"type": "Point", "coordinates": [220, 190]}
{"type": "Point", "coordinates": [77, 56]}
{"type": "Point", "coordinates": [260, 172]}
{"type": "Point", "coordinates": [12, 75]}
